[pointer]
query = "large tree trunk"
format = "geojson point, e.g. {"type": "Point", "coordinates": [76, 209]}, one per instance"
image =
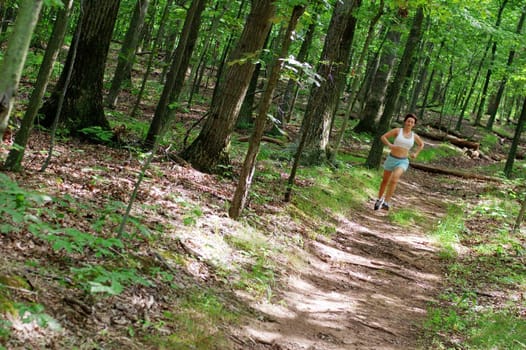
{"type": "Point", "coordinates": [356, 79]}
{"type": "Point", "coordinates": [16, 154]}
{"type": "Point", "coordinates": [210, 148]}
{"type": "Point", "coordinates": [15, 57]}
{"type": "Point", "coordinates": [83, 106]}
{"type": "Point", "coordinates": [127, 53]}
{"type": "Point", "coordinates": [375, 155]}
{"type": "Point", "coordinates": [334, 64]}
{"type": "Point", "coordinates": [176, 75]}
{"type": "Point", "coordinates": [375, 100]}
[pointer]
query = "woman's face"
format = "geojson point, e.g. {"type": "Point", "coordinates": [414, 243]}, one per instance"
{"type": "Point", "coordinates": [410, 122]}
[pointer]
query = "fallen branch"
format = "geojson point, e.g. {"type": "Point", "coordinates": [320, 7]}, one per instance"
{"type": "Point", "coordinates": [437, 170]}
{"type": "Point", "coordinates": [264, 138]}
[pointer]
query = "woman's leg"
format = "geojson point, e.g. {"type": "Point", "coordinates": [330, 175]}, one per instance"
{"type": "Point", "coordinates": [385, 181]}
{"type": "Point", "coordinates": [393, 181]}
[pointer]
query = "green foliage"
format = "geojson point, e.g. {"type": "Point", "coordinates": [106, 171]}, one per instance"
{"type": "Point", "coordinates": [439, 319]}
{"type": "Point", "coordinates": [258, 278]}
{"type": "Point", "coordinates": [98, 279]}
{"type": "Point", "coordinates": [501, 330]}
{"type": "Point", "coordinates": [448, 230]}
{"type": "Point", "coordinates": [72, 240]}
{"type": "Point", "coordinates": [35, 313]}
{"type": "Point", "coordinates": [301, 72]}
{"type": "Point", "coordinates": [444, 150]}
{"type": "Point", "coordinates": [97, 133]}
{"type": "Point", "coordinates": [16, 203]}
{"type": "Point", "coordinates": [493, 263]}
{"type": "Point", "coordinates": [191, 217]}
{"type": "Point", "coordinates": [489, 142]}
{"type": "Point", "coordinates": [405, 217]}
{"type": "Point", "coordinates": [322, 192]}
{"type": "Point", "coordinates": [195, 317]}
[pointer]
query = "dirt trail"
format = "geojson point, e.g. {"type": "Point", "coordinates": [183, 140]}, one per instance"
{"type": "Point", "coordinates": [367, 287]}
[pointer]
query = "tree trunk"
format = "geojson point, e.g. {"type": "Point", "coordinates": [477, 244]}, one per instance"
{"type": "Point", "coordinates": [247, 172]}
{"type": "Point", "coordinates": [490, 69]}
{"type": "Point", "coordinates": [502, 85]}
{"type": "Point", "coordinates": [127, 53]}
{"type": "Point", "coordinates": [286, 103]}
{"type": "Point", "coordinates": [244, 119]}
{"type": "Point", "coordinates": [520, 217]}
{"type": "Point", "coordinates": [153, 54]}
{"type": "Point", "coordinates": [16, 154]}
{"type": "Point", "coordinates": [83, 106]}
{"type": "Point", "coordinates": [375, 155]}
{"type": "Point", "coordinates": [373, 107]}
{"type": "Point", "coordinates": [15, 57]}
{"type": "Point", "coordinates": [356, 79]}
{"type": "Point", "coordinates": [247, 108]}
{"type": "Point", "coordinates": [210, 149]}
{"type": "Point", "coordinates": [333, 67]}
{"type": "Point", "coordinates": [422, 74]}
{"type": "Point", "coordinates": [430, 82]}
{"type": "Point", "coordinates": [200, 67]}
{"type": "Point", "coordinates": [226, 51]}
{"type": "Point", "coordinates": [176, 76]}
{"type": "Point", "coordinates": [515, 143]}
{"type": "Point", "coordinates": [472, 88]}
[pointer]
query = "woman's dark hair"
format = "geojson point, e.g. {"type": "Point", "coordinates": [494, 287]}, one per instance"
{"type": "Point", "coordinates": [411, 115]}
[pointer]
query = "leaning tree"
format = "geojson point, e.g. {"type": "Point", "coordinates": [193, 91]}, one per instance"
{"type": "Point", "coordinates": [210, 148]}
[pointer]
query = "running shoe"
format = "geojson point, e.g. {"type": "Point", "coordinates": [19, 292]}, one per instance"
{"type": "Point", "coordinates": [378, 203]}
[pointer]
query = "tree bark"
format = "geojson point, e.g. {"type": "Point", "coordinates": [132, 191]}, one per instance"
{"type": "Point", "coordinates": [154, 49]}
{"type": "Point", "coordinates": [504, 80]}
{"type": "Point", "coordinates": [286, 103]}
{"type": "Point", "coordinates": [209, 150]}
{"type": "Point", "coordinates": [83, 103]}
{"type": "Point", "coordinates": [15, 57]}
{"type": "Point", "coordinates": [176, 76]}
{"type": "Point", "coordinates": [356, 78]}
{"type": "Point", "coordinates": [247, 172]}
{"type": "Point", "coordinates": [16, 154]}
{"type": "Point", "coordinates": [375, 154]}
{"type": "Point", "coordinates": [127, 53]}
{"type": "Point", "coordinates": [490, 69]}
{"type": "Point", "coordinates": [373, 107]}
{"type": "Point", "coordinates": [515, 143]}
{"type": "Point", "coordinates": [333, 67]}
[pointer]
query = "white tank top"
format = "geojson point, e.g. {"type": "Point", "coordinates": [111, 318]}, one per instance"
{"type": "Point", "coordinates": [402, 141]}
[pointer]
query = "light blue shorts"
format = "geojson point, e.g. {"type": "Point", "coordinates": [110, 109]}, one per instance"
{"type": "Point", "coordinates": [392, 162]}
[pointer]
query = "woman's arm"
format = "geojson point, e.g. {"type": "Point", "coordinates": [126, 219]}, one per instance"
{"type": "Point", "coordinates": [420, 146]}
{"type": "Point", "coordinates": [385, 137]}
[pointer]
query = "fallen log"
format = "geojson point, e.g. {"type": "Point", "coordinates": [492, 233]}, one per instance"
{"type": "Point", "coordinates": [465, 175]}
{"type": "Point", "coordinates": [451, 139]}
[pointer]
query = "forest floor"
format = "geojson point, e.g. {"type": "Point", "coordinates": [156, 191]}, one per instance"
{"type": "Point", "coordinates": [366, 286]}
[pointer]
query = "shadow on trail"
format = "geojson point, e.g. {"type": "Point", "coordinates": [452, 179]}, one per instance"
{"type": "Point", "coordinates": [365, 287]}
